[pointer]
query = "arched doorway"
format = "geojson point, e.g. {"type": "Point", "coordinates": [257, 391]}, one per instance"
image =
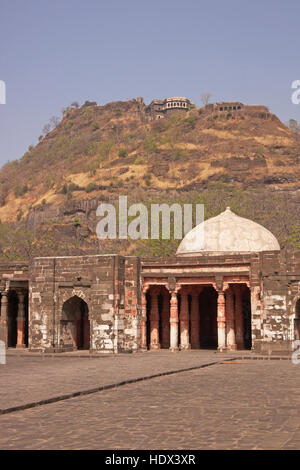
{"type": "Point", "coordinates": [297, 320]}
{"type": "Point", "coordinates": [75, 325]}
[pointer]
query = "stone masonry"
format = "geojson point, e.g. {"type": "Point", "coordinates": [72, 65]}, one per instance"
{"type": "Point", "coordinates": [128, 301]}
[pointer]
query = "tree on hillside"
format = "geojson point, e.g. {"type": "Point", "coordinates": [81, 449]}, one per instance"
{"type": "Point", "coordinates": [54, 120]}
{"type": "Point", "coordinates": [205, 97]}
{"type": "Point", "coordinates": [294, 126]}
{"type": "Point", "coordinates": [46, 128]}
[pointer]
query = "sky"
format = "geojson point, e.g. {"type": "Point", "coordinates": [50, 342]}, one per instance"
{"type": "Point", "coordinates": [54, 52]}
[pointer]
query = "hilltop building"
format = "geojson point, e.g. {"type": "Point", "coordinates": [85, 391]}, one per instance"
{"type": "Point", "coordinates": [159, 109]}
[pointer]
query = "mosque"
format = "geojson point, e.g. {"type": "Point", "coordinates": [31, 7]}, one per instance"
{"type": "Point", "coordinates": [233, 289]}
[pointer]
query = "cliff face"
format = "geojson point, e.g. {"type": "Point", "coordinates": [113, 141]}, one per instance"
{"type": "Point", "coordinates": [244, 157]}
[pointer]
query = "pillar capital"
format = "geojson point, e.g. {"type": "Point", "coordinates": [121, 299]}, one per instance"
{"type": "Point", "coordinates": [173, 288]}
{"type": "Point", "coordinates": [4, 297]}
{"type": "Point", "coordinates": [219, 282]}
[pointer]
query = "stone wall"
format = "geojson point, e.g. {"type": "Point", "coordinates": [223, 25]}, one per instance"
{"type": "Point", "coordinates": [99, 281]}
{"type": "Point", "coordinates": [111, 287]}
{"type": "Point", "coordinates": [280, 289]}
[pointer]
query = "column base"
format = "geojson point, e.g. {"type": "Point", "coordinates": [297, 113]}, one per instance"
{"type": "Point", "coordinates": [173, 349]}
{"type": "Point", "coordinates": [154, 347]}
{"type": "Point", "coordinates": [232, 347]}
{"type": "Point", "coordinates": [185, 348]}
{"type": "Point", "coordinates": [21, 346]}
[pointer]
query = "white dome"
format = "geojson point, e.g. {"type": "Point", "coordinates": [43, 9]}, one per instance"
{"type": "Point", "coordinates": [227, 233]}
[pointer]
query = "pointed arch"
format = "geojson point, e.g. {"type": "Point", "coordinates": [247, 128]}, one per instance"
{"type": "Point", "coordinates": [75, 324]}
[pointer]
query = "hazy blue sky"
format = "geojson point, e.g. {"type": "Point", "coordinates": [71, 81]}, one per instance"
{"type": "Point", "coordinates": [53, 52]}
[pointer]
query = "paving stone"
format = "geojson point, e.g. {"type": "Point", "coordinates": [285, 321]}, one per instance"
{"type": "Point", "coordinates": [225, 406]}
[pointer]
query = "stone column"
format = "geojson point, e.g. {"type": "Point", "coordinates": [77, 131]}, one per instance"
{"type": "Point", "coordinates": [221, 321]}
{"type": "Point", "coordinates": [195, 319]}
{"type": "Point", "coordinates": [184, 321]}
{"type": "Point", "coordinates": [154, 321]}
{"type": "Point", "coordinates": [144, 322]}
{"type": "Point", "coordinates": [165, 320]}
{"type": "Point", "coordinates": [174, 322]}
{"type": "Point", "coordinates": [3, 319]}
{"type": "Point", "coordinates": [21, 321]}
{"type": "Point", "coordinates": [230, 326]}
{"type": "Point", "coordinates": [239, 318]}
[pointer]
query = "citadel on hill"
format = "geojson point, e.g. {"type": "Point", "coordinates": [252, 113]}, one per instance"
{"type": "Point", "coordinates": [159, 109]}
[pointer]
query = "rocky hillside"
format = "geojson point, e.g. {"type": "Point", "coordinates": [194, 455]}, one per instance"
{"type": "Point", "coordinates": [247, 159]}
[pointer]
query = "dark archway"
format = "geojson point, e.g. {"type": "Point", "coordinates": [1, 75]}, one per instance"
{"type": "Point", "coordinates": [158, 299]}
{"type": "Point", "coordinates": [17, 319]}
{"type": "Point", "coordinates": [247, 319]}
{"type": "Point", "coordinates": [148, 307]}
{"type": "Point", "coordinates": [26, 319]}
{"type": "Point", "coordinates": [75, 324]}
{"type": "Point", "coordinates": [297, 320]}
{"type": "Point", "coordinates": [12, 315]}
{"type": "Point", "coordinates": [208, 318]}
{"type": "Point", "coordinates": [164, 317]}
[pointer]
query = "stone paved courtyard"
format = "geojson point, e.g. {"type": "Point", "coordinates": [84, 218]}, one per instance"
{"type": "Point", "coordinates": [241, 404]}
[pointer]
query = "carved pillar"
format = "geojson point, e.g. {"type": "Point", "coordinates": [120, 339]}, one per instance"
{"type": "Point", "coordinates": [3, 318]}
{"type": "Point", "coordinates": [184, 321]}
{"type": "Point", "coordinates": [154, 320]}
{"type": "Point", "coordinates": [221, 321]}
{"type": "Point", "coordinates": [21, 321]}
{"type": "Point", "coordinates": [195, 319]}
{"type": "Point", "coordinates": [174, 321]}
{"type": "Point", "coordinates": [230, 326]}
{"type": "Point", "coordinates": [144, 322]}
{"type": "Point", "coordinates": [165, 320]}
{"type": "Point", "coordinates": [239, 319]}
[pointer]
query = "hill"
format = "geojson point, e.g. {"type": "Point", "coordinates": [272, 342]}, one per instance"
{"type": "Point", "coordinates": [247, 159]}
